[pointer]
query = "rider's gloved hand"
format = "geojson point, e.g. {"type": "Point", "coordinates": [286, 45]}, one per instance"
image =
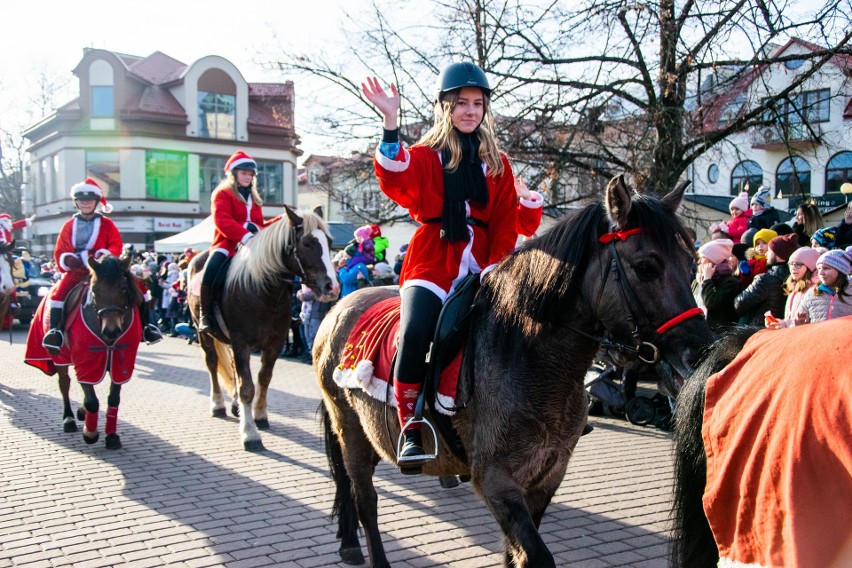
{"type": "Point", "coordinates": [73, 262]}
{"type": "Point", "coordinates": [251, 227]}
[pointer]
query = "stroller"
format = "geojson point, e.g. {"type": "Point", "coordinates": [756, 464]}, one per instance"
{"type": "Point", "coordinates": [611, 390]}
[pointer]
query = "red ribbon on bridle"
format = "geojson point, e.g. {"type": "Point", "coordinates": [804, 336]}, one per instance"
{"type": "Point", "coordinates": [678, 319]}
{"type": "Point", "coordinates": [607, 238]}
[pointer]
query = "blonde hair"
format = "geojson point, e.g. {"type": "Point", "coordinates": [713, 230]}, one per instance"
{"type": "Point", "coordinates": [800, 285]}
{"type": "Point", "coordinates": [230, 182]}
{"type": "Point", "coordinates": [442, 135]}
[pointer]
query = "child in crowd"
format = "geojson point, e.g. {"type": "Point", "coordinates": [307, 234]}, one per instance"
{"type": "Point", "coordinates": [757, 263]}
{"type": "Point", "coordinates": [763, 214]}
{"type": "Point", "coordinates": [363, 250]}
{"type": "Point", "coordinates": [766, 292]}
{"type": "Point", "coordinates": [738, 223]}
{"type": "Point", "coordinates": [802, 278]}
{"type": "Point", "coordinates": [715, 285]}
{"type": "Point", "coordinates": [832, 297]}
{"type": "Point", "coordinates": [824, 238]}
{"type": "Point", "coordinates": [380, 243]}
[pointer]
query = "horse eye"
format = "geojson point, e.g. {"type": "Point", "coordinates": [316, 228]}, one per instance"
{"type": "Point", "coordinates": [646, 271]}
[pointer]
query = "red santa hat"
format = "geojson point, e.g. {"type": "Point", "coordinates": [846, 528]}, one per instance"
{"type": "Point", "coordinates": [90, 189]}
{"type": "Point", "coordinates": [239, 160]}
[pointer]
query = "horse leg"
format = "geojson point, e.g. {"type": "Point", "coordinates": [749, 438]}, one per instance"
{"type": "Point", "coordinates": [248, 431]}
{"type": "Point", "coordinates": [360, 460]}
{"type": "Point", "coordinates": [113, 442]}
{"type": "Point", "coordinates": [507, 502]}
{"type": "Point", "coordinates": [211, 360]}
{"type": "Point", "coordinates": [69, 424]}
{"type": "Point", "coordinates": [90, 424]}
{"type": "Point", "coordinates": [264, 377]}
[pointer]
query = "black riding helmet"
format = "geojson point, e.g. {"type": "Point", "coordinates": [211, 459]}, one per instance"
{"type": "Point", "coordinates": [458, 75]}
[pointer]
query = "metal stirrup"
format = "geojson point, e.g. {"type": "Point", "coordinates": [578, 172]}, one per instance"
{"type": "Point", "coordinates": [416, 419]}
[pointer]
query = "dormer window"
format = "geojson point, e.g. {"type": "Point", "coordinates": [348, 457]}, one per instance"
{"type": "Point", "coordinates": [101, 93]}
{"type": "Point", "coordinates": [102, 101]}
{"type": "Point", "coordinates": [217, 105]}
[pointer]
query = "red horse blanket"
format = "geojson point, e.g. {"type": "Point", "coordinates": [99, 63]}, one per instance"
{"type": "Point", "coordinates": [366, 360]}
{"type": "Point", "coordinates": [89, 354]}
{"type": "Point", "coordinates": [778, 436]}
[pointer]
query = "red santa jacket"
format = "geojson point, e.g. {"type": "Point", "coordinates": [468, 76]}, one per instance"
{"type": "Point", "coordinates": [105, 239]}
{"type": "Point", "coordinates": [414, 179]}
{"type": "Point", "coordinates": [231, 214]}
{"type": "Point", "coordinates": [7, 226]}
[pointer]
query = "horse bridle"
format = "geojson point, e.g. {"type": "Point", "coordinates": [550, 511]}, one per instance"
{"type": "Point", "coordinates": [644, 350]}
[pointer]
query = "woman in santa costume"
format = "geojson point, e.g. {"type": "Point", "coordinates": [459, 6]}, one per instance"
{"type": "Point", "coordinates": [459, 186]}
{"type": "Point", "coordinates": [237, 211]}
{"type": "Point", "coordinates": [87, 233]}
{"type": "Point", "coordinates": [7, 226]}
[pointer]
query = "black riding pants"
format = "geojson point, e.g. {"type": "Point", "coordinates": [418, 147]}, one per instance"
{"type": "Point", "coordinates": [418, 319]}
{"type": "Point", "coordinates": [214, 265]}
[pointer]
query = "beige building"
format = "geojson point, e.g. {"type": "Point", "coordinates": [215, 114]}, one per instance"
{"type": "Point", "coordinates": [155, 134]}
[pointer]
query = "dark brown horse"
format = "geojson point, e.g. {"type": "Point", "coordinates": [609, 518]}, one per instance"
{"type": "Point", "coordinates": [617, 272]}
{"type": "Point", "coordinates": [763, 451]}
{"type": "Point", "coordinates": [256, 305]}
{"type": "Point", "coordinates": [103, 331]}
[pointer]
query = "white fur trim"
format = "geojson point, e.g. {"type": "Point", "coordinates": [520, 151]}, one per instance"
{"type": "Point", "coordinates": [237, 163]}
{"type": "Point", "coordinates": [101, 252]}
{"type": "Point", "coordinates": [246, 237]}
{"type": "Point", "coordinates": [84, 187]}
{"type": "Point", "coordinates": [57, 303]}
{"type": "Point", "coordinates": [106, 208]}
{"type": "Point", "coordinates": [535, 202]}
{"type": "Point", "coordinates": [84, 256]}
{"type": "Point", "coordinates": [431, 286]}
{"type": "Point", "coordinates": [63, 257]}
{"type": "Point", "coordinates": [393, 165]}
{"type": "Point", "coordinates": [487, 269]}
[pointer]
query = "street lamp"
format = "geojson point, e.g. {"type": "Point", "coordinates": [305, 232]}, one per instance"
{"type": "Point", "coordinates": [846, 189]}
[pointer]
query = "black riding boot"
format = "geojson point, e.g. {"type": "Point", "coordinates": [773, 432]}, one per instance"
{"type": "Point", "coordinates": [205, 318]}
{"type": "Point", "coordinates": [150, 332]}
{"type": "Point", "coordinates": [412, 445]}
{"type": "Point", "coordinates": [54, 338]}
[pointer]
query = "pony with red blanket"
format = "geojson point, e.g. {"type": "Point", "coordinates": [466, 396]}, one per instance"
{"type": "Point", "coordinates": [104, 331]}
{"type": "Point", "coordinates": [763, 461]}
{"type": "Point", "coordinates": [615, 272]}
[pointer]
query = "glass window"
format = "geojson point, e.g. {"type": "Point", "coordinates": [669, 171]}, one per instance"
{"type": "Point", "coordinates": [794, 64]}
{"type": "Point", "coordinates": [103, 167]}
{"type": "Point", "coordinates": [713, 173]}
{"type": "Point", "coordinates": [217, 115]}
{"type": "Point", "coordinates": [838, 172]}
{"type": "Point", "coordinates": [746, 174]}
{"type": "Point", "coordinates": [54, 178]}
{"type": "Point", "coordinates": [166, 176]}
{"type": "Point", "coordinates": [102, 102]}
{"type": "Point", "coordinates": [42, 181]}
{"type": "Point", "coordinates": [210, 173]}
{"type": "Point", "coordinates": [270, 182]}
{"type": "Point", "coordinates": [793, 177]}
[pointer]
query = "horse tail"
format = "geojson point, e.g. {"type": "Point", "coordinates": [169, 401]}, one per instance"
{"type": "Point", "coordinates": [343, 508]}
{"type": "Point", "coordinates": [225, 367]}
{"type": "Point", "coordinates": [693, 545]}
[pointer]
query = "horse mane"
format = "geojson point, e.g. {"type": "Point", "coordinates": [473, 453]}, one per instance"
{"type": "Point", "coordinates": [258, 264]}
{"type": "Point", "coordinates": [532, 287]}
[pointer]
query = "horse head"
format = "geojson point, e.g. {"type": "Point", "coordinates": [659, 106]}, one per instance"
{"type": "Point", "coordinates": [647, 281]}
{"type": "Point", "coordinates": [7, 283]}
{"type": "Point", "coordinates": [113, 294]}
{"type": "Point", "coordinates": [311, 245]}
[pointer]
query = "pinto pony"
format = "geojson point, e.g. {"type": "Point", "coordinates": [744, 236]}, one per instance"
{"type": "Point", "coordinates": [255, 308]}
{"type": "Point", "coordinates": [616, 272]}
{"type": "Point", "coordinates": [763, 451]}
{"type": "Point", "coordinates": [103, 335]}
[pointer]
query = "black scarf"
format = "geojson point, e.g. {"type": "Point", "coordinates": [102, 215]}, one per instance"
{"type": "Point", "coordinates": [244, 191]}
{"type": "Point", "coordinates": [466, 182]}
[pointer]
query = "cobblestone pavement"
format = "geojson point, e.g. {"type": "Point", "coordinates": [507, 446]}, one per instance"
{"type": "Point", "coordinates": [183, 492]}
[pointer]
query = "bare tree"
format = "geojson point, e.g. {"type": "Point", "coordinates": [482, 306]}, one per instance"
{"type": "Point", "coordinates": [608, 86]}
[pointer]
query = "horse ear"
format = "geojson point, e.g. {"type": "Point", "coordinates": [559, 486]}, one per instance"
{"type": "Point", "coordinates": [125, 262]}
{"type": "Point", "coordinates": [618, 200]}
{"type": "Point", "coordinates": [93, 264]}
{"type": "Point", "coordinates": [294, 218]}
{"type": "Point", "coordinates": [674, 197]}
{"type": "Point", "coordinates": [318, 211]}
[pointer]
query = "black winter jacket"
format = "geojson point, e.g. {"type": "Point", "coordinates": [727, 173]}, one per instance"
{"type": "Point", "coordinates": [765, 220]}
{"type": "Point", "coordinates": [766, 292]}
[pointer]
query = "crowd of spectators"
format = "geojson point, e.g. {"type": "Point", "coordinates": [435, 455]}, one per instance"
{"type": "Point", "coordinates": [778, 275]}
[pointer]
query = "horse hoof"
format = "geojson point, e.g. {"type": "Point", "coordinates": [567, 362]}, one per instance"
{"type": "Point", "coordinates": [70, 425]}
{"type": "Point", "coordinates": [113, 442]}
{"type": "Point", "coordinates": [89, 440]}
{"type": "Point", "coordinates": [235, 410]}
{"type": "Point", "coordinates": [219, 413]}
{"type": "Point", "coordinates": [81, 414]}
{"type": "Point", "coordinates": [253, 446]}
{"type": "Point", "coordinates": [352, 555]}
{"type": "Point", "coordinates": [262, 424]}
{"type": "Point", "coordinates": [449, 481]}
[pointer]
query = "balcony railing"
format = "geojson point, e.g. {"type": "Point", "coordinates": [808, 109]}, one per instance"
{"type": "Point", "coordinates": [786, 134]}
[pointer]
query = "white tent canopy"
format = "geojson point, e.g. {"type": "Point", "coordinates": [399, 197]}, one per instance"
{"type": "Point", "coordinates": [198, 237]}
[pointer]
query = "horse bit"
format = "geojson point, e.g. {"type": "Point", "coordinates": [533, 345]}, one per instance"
{"type": "Point", "coordinates": [644, 350]}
